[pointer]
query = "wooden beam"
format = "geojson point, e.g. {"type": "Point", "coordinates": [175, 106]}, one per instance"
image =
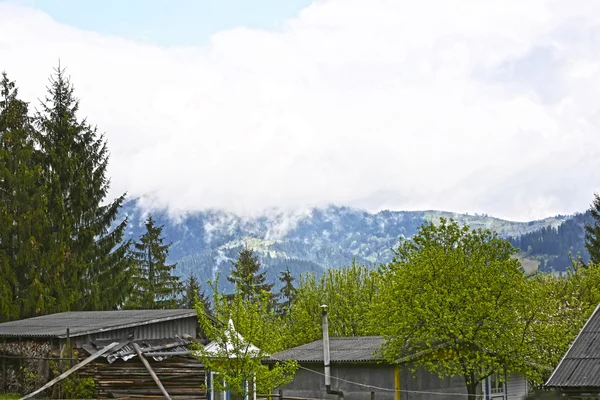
{"type": "Point", "coordinates": [149, 368]}
{"type": "Point", "coordinates": [71, 370]}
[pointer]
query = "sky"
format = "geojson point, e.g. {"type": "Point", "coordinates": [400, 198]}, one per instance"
{"type": "Point", "coordinates": [462, 105]}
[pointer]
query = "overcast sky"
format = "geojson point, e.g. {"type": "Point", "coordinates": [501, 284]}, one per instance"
{"type": "Point", "coordinates": [465, 105]}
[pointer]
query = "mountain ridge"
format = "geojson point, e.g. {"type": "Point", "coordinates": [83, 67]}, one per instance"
{"type": "Point", "coordinates": [205, 242]}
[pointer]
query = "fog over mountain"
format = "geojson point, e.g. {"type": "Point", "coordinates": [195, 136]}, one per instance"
{"type": "Point", "coordinates": [205, 242]}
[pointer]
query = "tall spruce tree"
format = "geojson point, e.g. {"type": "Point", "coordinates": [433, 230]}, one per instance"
{"type": "Point", "coordinates": [287, 293]}
{"type": "Point", "coordinates": [592, 232]}
{"type": "Point", "coordinates": [23, 283]}
{"type": "Point", "coordinates": [192, 293]}
{"type": "Point", "coordinates": [245, 275]}
{"type": "Point", "coordinates": [155, 286]}
{"type": "Point", "coordinates": [93, 271]}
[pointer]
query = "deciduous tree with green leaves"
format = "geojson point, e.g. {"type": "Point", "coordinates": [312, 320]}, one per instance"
{"type": "Point", "coordinates": [563, 306]}
{"type": "Point", "coordinates": [244, 331]}
{"type": "Point", "coordinates": [348, 292]}
{"type": "Point", "coordinates": [454, 302]}
{"type": "Point", "coordinates": [154, 285]}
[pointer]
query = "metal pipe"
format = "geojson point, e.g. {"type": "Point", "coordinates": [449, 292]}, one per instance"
{"type": "Point", "coordinates": [326, 359]}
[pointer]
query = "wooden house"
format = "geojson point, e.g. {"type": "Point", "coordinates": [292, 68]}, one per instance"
{"type": "Point", "coordinates": [358, 372]}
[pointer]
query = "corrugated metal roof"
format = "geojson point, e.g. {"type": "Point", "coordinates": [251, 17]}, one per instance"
{"type": "Point", "coordinates": [580, 367]}
{"type": "Point", "coordinates": [158, 349]}
{"type": "Point", "coordinates": [87, 322]}
{"type": "Point", "coordinates": [341, 349]}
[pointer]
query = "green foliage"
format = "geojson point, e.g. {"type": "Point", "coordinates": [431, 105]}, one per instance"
{"type": "Point", "coordinates": [10, 396]}
{"type": "Point", "coordinates": [592, 232]}
{"type": "Point", "coordinates": [454, 301]}
{"type": "Point", "coordinates": [31, 380]}
{"type": "Point", "coordinates": [89, 268]}
{"type": "Point", "coordinates": [245, 275]}
{"type": "Point", "coordinates": [58, 251]}
{"type": "Point", "coordinates": [246, 331]}
{"type": "Point", "coordinates": [154, 285]}
{"type": "Point", "coordinates": [78, 388]}
{"type": "Point", "coordinates": [72, 387]}
{"type": "Point", "coordinates": [563, 306]}
{"type": "Point", "coordinates": [348, 292]}
{"type": "Point", "coordinates": [22, 211]}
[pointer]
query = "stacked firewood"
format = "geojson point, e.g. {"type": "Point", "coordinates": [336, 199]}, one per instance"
{"type": "Point", "coordinates": [182, 377]}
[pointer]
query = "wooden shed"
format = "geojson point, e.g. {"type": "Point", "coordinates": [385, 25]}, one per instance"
{"type": "Point", "coordinates": [162, 336]}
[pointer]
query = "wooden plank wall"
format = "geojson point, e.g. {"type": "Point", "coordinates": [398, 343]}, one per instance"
{"type": "Point", "coordinates": [183, 378]}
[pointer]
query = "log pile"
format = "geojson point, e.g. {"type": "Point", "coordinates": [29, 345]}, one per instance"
{"type": "Point", "coordinates": [23, 364]}
{"type": "Point", "coordinates": [182, 377]}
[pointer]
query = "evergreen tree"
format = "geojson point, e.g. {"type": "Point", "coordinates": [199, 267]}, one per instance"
{"type": "Point", "coordinates": [92, 271]}
{"type": "Point", "coordinates": [154, 285]}
{"type": "Point", "coordinates": [23, 284]}
{"type": "Point", "coordinates": [592, 232]}
{"type": "Point", "coordinates": [245, 275]}
{"type": "Point", "coordinates": [287, 293]}
{"type": "Point", "coordinates": [192, 293]}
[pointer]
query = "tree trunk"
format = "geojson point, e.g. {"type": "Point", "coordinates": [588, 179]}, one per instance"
{"type": "Point", "coordinates": [471, 387]}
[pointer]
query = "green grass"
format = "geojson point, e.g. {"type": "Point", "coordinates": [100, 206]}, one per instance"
{"type": "Point", "coordinates": [10, 396]}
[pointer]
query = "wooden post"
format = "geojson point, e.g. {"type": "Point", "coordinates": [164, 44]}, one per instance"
{"type": "Point", "coordinates": [69, 348]}
{"type": "Point", "coordinates": [19, 373]}
{"type": "Point", "coordinates": [152, 374]}
{"type": "Point", "coordinates": [4, 386]}
{"type": "Point", "coordinates": [280, 394]}
{"type": "Point", "coordinates": [372, 395]}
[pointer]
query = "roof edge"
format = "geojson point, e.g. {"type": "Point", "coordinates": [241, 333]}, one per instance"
{"type": "Point", "coordinates": [571, 346]}
{"type": "Point", "coordinates": [187, 314]}
{"type": "Point", "coordinates": [129, 325]}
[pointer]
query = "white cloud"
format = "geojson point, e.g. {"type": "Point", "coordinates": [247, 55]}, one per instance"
{"type": "Point", "coordinates": [465, 105]}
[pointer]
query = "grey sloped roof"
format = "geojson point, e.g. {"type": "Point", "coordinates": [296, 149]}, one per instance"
{"type": "Point", "coordinates": [87, 322]}
{"type": "Point", "coordinates": [580, 367]}
{"type": "Point", "coordinates": [341, 349]}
